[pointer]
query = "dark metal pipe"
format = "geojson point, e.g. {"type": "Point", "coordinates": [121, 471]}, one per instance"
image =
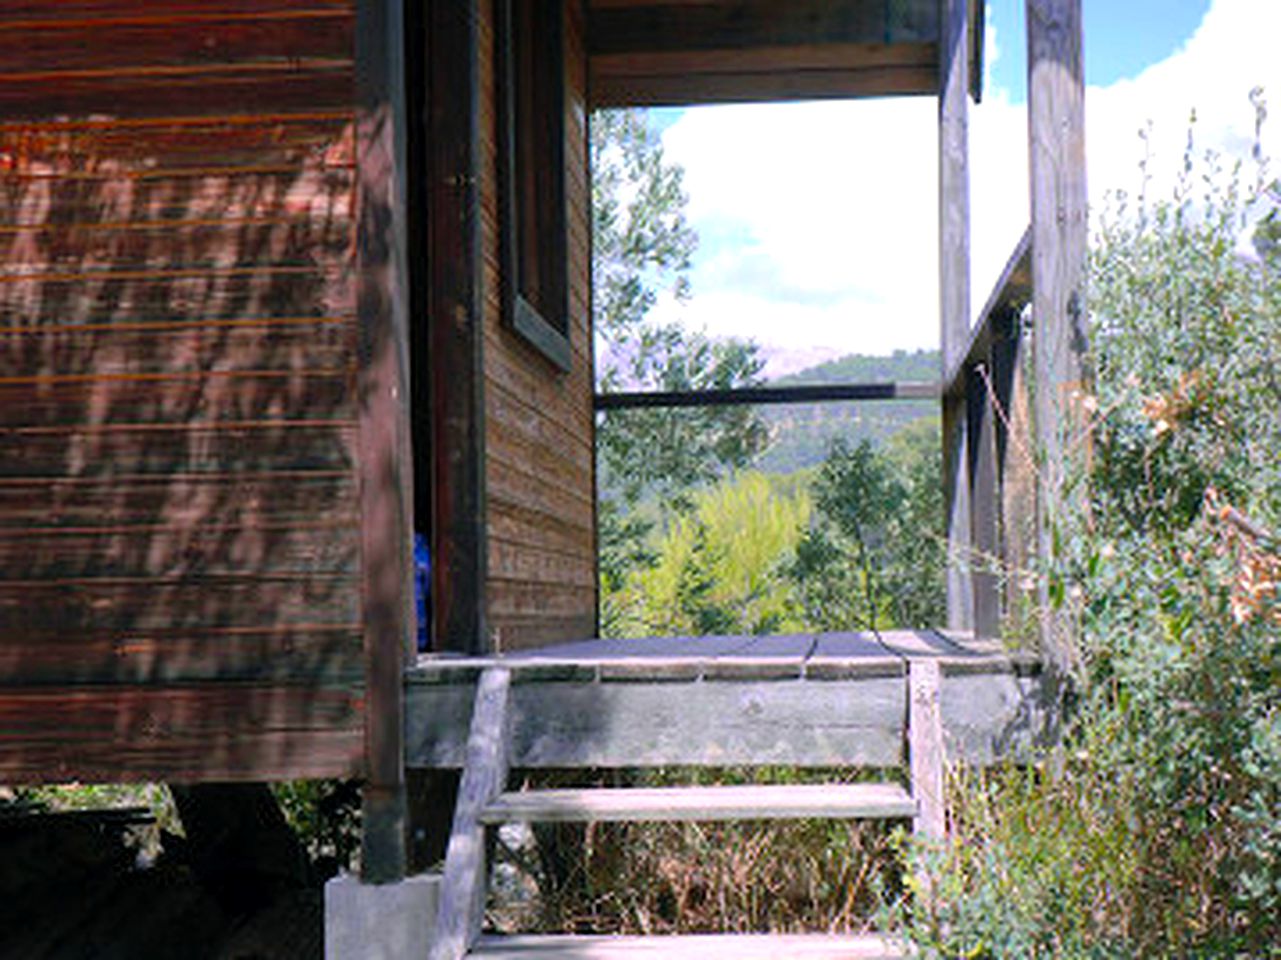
{"type": "Point", "coordinates": [753, 396]}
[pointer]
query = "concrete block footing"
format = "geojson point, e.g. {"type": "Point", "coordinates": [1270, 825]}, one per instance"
{"type": "Point", "coordinates": [392, 921]}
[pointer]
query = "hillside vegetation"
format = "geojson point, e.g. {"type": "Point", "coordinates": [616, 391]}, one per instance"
{"type": "Point", "coordinates": [799, 435]}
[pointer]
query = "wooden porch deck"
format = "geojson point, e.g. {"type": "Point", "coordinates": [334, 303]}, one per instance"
{"type": "Point", "coordinates": [810, 700]}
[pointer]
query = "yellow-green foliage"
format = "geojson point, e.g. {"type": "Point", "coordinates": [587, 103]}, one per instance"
{"type": "Point", "coordinates": [718, 564]}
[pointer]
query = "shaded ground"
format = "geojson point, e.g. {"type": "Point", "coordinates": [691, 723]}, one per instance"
{"type": "Point", "coordinates": [71, 886]}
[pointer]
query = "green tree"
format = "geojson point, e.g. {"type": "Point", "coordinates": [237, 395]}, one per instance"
{"type": "Point", "coordinates": [642, 245]}
{"type": "Point", "coordinates": [874, 557]}
{"type": "Point", "coordinates": [717, 567]}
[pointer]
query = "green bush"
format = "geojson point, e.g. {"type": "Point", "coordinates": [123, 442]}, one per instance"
{"type": "Point", "coordinates": [873, 558]}
{"type": "Point", "coordinates": [714, 567]}
{"type": "Point", "coordinates": [1155, 830]}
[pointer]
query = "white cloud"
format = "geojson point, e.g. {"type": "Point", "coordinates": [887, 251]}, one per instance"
{"type": "Point", "coordinates": [804, 231]}
{"type": "Point", "coordinates": [819, 220]}
{"type": "Point", "coordinates": [1232, 51]}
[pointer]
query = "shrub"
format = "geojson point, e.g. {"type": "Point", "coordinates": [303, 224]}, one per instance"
{"type": "Point", "coordinates": [1155, 830]}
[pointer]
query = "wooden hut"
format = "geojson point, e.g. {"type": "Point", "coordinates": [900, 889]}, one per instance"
{"type": "Point", "coordinates": [287, 281]}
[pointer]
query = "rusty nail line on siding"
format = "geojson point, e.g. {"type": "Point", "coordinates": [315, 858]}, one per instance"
{"type": "Point", "coordinates": [175, 173]}
{"type": "Point", "coordinates": [194, 578]}
{"type": "Point", "coordinates": [161, 634]}
{"type": "Point", "coordinates": [226, 120]}
{"type": "Point", "coordinates": [55, 378]}
{"type": "Point", "coordinates": [40, 329]}
{"type": "Point", "coordinates": [226, 16]}
{"type": "Point", "coordinates": [167, 479]}
{"type": "Point", "coordinates": [163, 224]}
{"type": "Point", "coordinates": [18, 533]}
{"type": "Point", "coordinates": [193, 426]}
{"type": "Point", "coordinates": [187, 273]}
{"type": "Point", "coordinates": [292, 66]}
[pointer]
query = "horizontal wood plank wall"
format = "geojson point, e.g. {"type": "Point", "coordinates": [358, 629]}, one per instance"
{"type": "Point", "coordinates": [179, 552]}
{"type": "Point", "coordinates": [538, 421]}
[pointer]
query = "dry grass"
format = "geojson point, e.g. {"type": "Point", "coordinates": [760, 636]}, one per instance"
{"type": "Point", "coordinates": [666, 878]}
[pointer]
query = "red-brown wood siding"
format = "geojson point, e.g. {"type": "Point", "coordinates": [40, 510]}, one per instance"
{"type": "Point", "coordinates": [179, 523]}
{"type": "Point", "coordinates": [541, 585]}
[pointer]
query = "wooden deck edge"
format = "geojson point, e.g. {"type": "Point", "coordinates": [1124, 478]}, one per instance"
{"type": "Point", "coordinates": [429, 671]}
{"type": "Point", "coordinates": [839, 721]}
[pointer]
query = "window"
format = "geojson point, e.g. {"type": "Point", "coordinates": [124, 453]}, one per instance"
{"type": "Point", "coordinates": [531, 164]}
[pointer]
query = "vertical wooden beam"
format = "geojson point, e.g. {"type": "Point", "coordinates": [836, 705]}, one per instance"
{"type": "Point", "coordinates": [956, 494]}
{"type": "Point", "coordinates": [417, 203]}
{"type": "Point", "coordinates": [385, 455]}
{"type": "Point", "coordinates": [1015, 467]}
{"type": "Point", "coordinates": [462, 899]}
{"type": "Point", "coordinates": [456, 318]}
{"type": "Point", "coordinates": [981, 434]}
{"type": "Point", "coordinates": [954, 292]}
{"type": "Point", "coordinates": [925, 748]}
{"type": "Point", "coordinates": [1056, 134]}
{"type": "Point", "coordinates": [1005, 356]}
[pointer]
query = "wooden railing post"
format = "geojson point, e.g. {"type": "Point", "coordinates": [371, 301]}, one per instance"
{"type": "Point", "coordinates": [1056, 126]}
{"type": "Point", "coordinates": [986, 559]}
{"type": "Point", "coordinates": [1016, 478]}
{"type": "Point", "coordinates": [925, 747]}
{"type": "Point", "coordinates": [954, 294]}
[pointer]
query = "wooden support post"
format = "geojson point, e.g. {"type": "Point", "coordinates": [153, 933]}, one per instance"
{"type": "Point", "coordinates": [925, 748]}
{"type": "Point", "coordinates": [385, 451]}
{"type": "Point", "coordinates": [462, 900]}
{"type": "Point", "coordinates": [1056, 129]}
{"type": "Point", "coordinates": [954, 294]}
{"type": "Point", "coordinates": [456, 328]}
{"type": "Point", "coordinates": [981, 434]}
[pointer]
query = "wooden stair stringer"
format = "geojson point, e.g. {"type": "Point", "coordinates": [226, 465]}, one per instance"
{"type": "Point", "coordinates": [463, 886]}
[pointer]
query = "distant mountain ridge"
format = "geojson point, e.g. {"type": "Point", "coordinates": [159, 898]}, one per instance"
{"type": "Point", "coordinates": [801, 434]}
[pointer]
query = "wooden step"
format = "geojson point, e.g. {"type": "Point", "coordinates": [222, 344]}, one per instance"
{"type": "Point", "coordinates": [754, 802]}
{"type": "Point", "coordinates": [721, 947]}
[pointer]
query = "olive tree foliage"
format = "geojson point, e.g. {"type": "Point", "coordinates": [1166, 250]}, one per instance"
{"type": "Point", "coordinates": [873, 556]}
{"type": "Point", "coordinates": [642, 246]}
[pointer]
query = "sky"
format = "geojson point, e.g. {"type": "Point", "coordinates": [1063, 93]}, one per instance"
{"type": "Point", "coordinates": [818, 221]}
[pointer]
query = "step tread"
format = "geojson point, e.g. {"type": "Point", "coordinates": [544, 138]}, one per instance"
{"type": "Point", "coordinates": [721, 946]}
{"type": "Point", "coordinates": [749, 802]}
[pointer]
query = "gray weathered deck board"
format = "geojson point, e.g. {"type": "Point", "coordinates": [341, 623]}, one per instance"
{"type": "Point", "coordinates": [706, 947]}
{"type": "Point", "coordinates": [924, 643]}
{"type": "Point", "coordinates": [713, 723]}
{"type": "Point", "coordinates": [751, 802]}
{"type": "Point", "coordinates": [639, 647]}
